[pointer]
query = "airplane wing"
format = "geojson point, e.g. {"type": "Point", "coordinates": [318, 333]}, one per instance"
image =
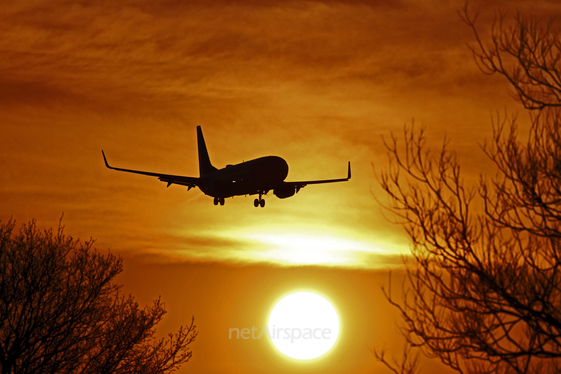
{"type": "Point", "coordinates": [170, 179]}
{"type": "Point", "coordinates": [298, 185]}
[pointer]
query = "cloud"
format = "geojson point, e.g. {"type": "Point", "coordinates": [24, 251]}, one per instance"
{"type": "Point", "coordinates": [132, 48]}
{"type": "Point", "coordinates": [315, 82]}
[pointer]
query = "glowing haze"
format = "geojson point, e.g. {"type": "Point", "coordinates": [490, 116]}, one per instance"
{"type": "Point", "coordinates": [316, 83]}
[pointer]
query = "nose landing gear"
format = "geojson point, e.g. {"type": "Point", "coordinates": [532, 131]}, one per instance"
{"type": "Point", "coordinates": [218, 200]}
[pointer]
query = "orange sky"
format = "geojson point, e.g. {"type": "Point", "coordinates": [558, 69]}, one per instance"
{"type": "Point", "coordinates": [317, 83]}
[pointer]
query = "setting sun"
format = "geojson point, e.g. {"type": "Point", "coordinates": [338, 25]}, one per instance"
{"type": "Point", "coordinates": [303, 325]}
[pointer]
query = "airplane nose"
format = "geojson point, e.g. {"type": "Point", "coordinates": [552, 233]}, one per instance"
{"type": "Point", "coordinates": [281, 166]}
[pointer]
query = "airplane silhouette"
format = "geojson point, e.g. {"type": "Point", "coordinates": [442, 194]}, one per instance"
{"type": "Point", "coordinates": [255, 177]}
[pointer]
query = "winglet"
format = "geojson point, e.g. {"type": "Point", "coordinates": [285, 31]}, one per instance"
{"type": "Point", "coordinates": [348, 176]}
{"type": "Point", "coordinates": [104, 159]}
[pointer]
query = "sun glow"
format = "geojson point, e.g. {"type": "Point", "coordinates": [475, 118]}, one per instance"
{"type": "Point", "coordinates": [303, 325]}
{"type": "Point", "coordinates": [296, 248]}
{"type": "Point", "coordinates": [290, 246]}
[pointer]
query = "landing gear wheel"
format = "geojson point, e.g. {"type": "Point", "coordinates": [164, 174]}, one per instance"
{"type": "Point", "coordinates": [262, 203]}
{"type": "Point", "coordinates": [215, 201]}
{"type": "Point", "coordinates": [256, 203]}
{"type": "Point", "coordinates": [221, 201]}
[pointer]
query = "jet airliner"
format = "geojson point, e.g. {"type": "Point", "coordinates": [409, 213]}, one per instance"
{"type": "Point", "coordinates": [255, 177]}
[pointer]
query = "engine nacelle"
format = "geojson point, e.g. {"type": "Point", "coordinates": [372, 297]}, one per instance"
{"type": "Point", "coordinates": [284, 191]}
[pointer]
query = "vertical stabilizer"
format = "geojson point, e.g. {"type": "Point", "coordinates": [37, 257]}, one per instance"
{"type": "Point", "coordinates": [205, 167]}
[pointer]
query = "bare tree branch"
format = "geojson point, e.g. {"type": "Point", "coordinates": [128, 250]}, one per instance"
{"type": "Point", "coordinates": [60, 311]}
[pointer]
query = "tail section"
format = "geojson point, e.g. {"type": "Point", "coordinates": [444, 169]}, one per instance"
{"type": "Point", "coordinates": [205, 167]}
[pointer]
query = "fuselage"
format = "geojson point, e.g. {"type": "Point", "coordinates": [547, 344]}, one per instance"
{"type": "Point", "coordinates": [248, 178]}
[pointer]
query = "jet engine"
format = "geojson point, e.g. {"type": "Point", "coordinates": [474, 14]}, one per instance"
{"type": "Point", "coordinates": [284, 191]}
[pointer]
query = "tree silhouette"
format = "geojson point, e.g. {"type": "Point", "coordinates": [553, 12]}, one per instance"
{"type": "Point", "coordinates": [484, 284]}
{"type": "Point", "coordinates": [61, 312]}
{"type": "Point", "coordinates": [525, 52]}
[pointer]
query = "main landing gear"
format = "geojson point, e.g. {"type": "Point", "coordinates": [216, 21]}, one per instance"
{"type": "Point", "coordinates": [259, 202]}
{"type": "Point", "coordinates": [218, 200]}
